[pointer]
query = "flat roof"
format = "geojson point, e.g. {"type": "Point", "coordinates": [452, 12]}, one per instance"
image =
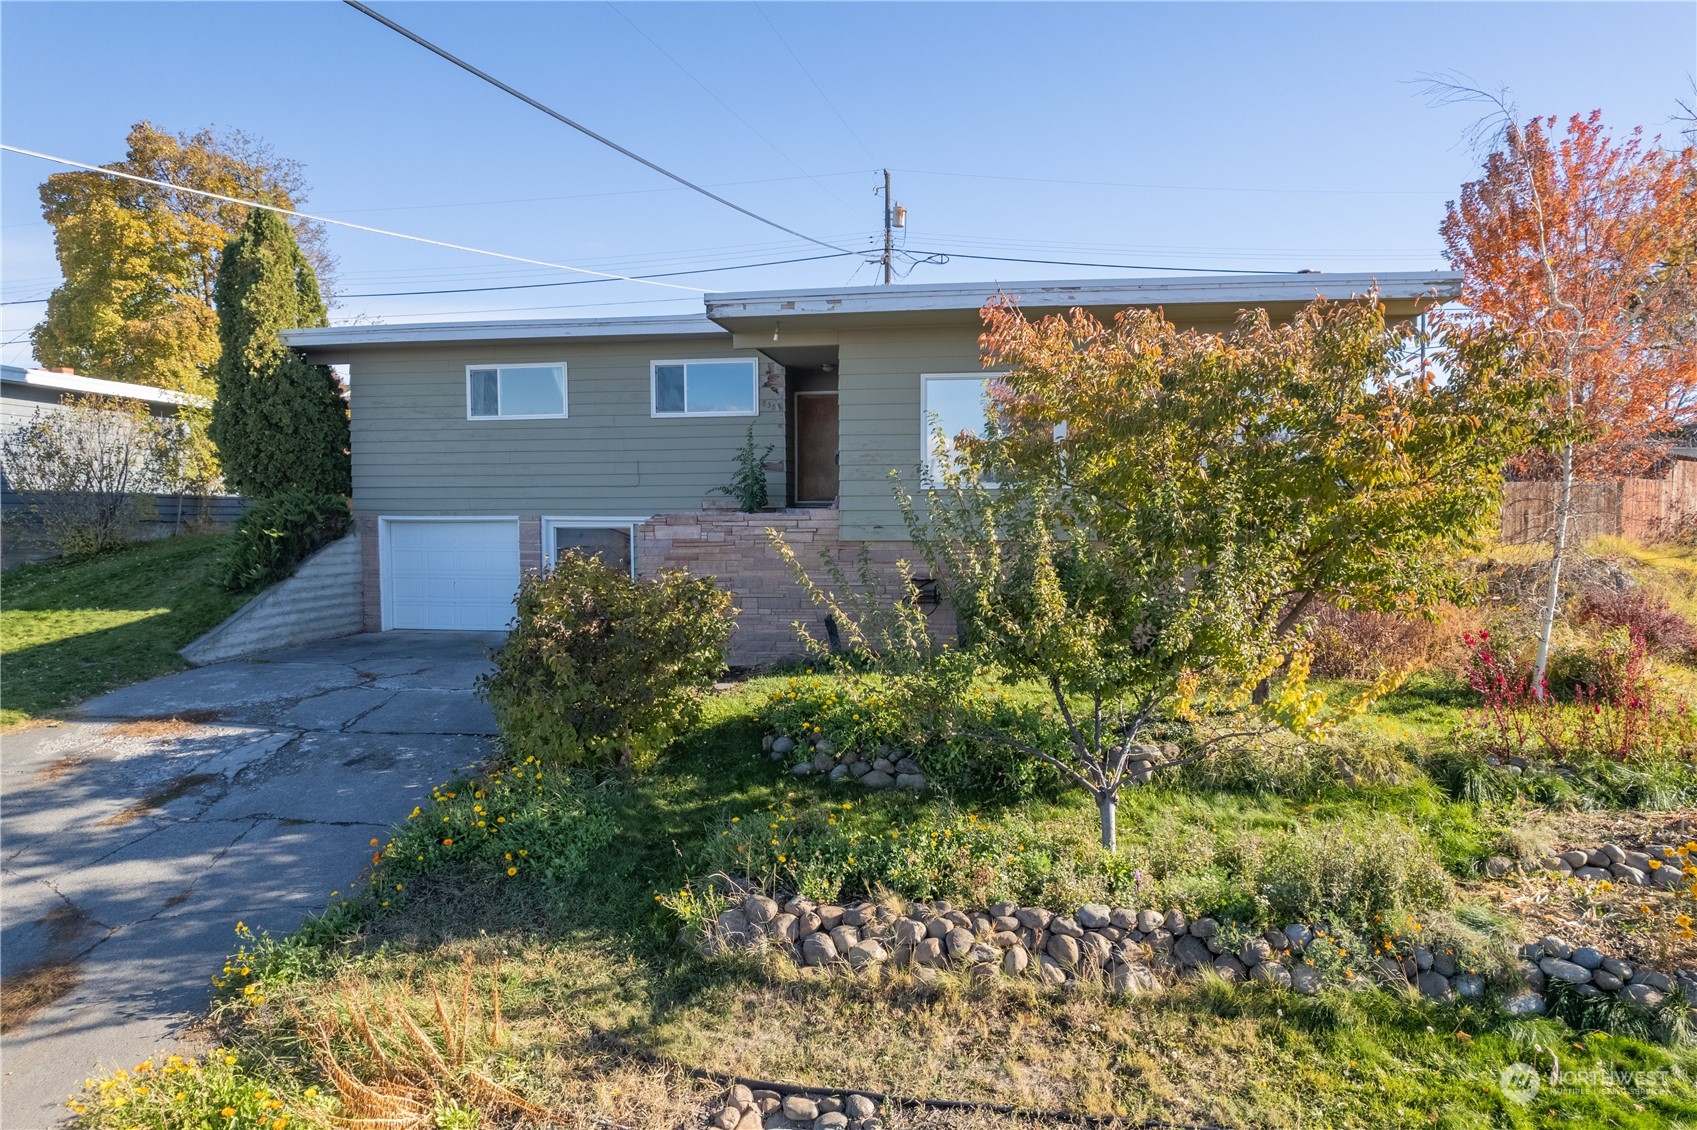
{"type": "Point", "coordinates": [1184, 290]}
{"type": "Point", "coordinates": [1402, 291]}
{"type": "Point", "coordinates": [332, 338]}
{"type": "Point", "coordinates": [52, 381]}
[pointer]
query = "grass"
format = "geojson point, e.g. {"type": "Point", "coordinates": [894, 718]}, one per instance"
{"type": "Point", "coordinates": [577, 992]}
{"type": "Point", "coordinates": [71, 630]}
{"type": "Point", "coordinates": [470, 975]}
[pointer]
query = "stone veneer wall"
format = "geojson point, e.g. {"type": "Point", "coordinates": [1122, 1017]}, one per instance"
{"type": "Point", "coordinates": [734, 547]}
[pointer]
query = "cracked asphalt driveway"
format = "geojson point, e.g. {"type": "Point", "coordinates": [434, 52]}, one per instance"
{"type": "Point", "coordinates": [133, 839]}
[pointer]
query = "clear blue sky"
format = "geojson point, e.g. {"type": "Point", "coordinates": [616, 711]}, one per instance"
{"type": "Point", "coordinates": [1270, 136]}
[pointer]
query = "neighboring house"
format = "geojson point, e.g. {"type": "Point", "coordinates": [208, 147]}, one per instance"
{"type": "Point", "coordinates": [26, 392]}
{"type": "Point", "coordinates": [481, 449]}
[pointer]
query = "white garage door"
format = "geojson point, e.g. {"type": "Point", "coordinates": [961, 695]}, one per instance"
{"type": "Point", "coordinates": [453, 574]}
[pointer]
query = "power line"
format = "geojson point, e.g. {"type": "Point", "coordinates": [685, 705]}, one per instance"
{"type": "Point", "coordinates": [809, 75]}
{"type": "Point", "coordinates": [729, 109]}
{"type": "Point", "coordinates": [1188, 187]}
{"type": "Point", "coordinates": [342, 223]}
{"type": "Point", "coordinates": [587, 282]}
{"type": "Point", "coordinates": [947, 255]}
{"type": "Point", "coordinates": [579, 126]}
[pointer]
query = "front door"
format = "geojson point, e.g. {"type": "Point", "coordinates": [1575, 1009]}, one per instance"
{"type": "Point", "coordinates": [815, 447]}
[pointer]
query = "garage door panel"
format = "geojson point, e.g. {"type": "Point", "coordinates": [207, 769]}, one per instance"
{"type": "Point", "coordinates": [455, 575]}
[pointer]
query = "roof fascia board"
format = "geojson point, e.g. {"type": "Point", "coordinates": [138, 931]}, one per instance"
{"type": "Point", "coordinates": [98, 386]}
{"type": "Point", "coordinates": [427, 333]}
{"type": "Point", "coordinates": [1237, 291]}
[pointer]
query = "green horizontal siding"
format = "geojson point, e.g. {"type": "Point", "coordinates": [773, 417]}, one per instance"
{"type": "Point", "coordinates": [414, 451]}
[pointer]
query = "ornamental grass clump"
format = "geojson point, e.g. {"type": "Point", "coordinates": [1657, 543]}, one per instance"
{"type": "Point", "coordinates": [603, 667]}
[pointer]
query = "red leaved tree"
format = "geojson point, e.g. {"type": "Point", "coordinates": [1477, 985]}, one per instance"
{"type": "Point", "coordinates": [1580, 244]}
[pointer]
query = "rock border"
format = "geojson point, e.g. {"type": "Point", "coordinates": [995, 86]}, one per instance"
{"type": "Point", "coordinates": [1659, 865]}
{"type": "Point", "coordinates": [747, 1108]}
{"type": "Point", "coordinates": [884, 768]}
{"type": "Point", "coordinates": [1132, 952]}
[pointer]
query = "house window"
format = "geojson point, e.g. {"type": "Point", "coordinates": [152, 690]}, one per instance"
{"type": "Point", "coordinates": [724, 387]}
{"type": "Point", "coordinates": [515, 392]}
{"type": "Point", "coordinates": [951, 403]}
{"type": "Point", "coordinates": [611, 540]}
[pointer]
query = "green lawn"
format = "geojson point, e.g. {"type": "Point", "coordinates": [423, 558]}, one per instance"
{"type": "Point", "coordinates": [70, 630]}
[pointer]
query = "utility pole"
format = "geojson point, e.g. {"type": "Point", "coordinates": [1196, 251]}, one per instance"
{"type": "Point", "coordinates": [889, 238]}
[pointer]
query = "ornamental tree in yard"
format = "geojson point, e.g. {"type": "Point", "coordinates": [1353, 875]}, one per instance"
{"type": "Point", "coordinates": [1581, 245]}
{"type": "Point", "coordinates": [280, 423]}
{"type": "Point", "coordinates": [1147, 561]}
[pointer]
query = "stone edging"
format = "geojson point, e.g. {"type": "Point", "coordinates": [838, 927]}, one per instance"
{"type": "Point", "coordinates": [885, 768]}
{"type": "Point", "coordinates": [1659, 865]}
{"type": "Point", "coordinates": [751, 1109]}
{"type": "Point", "coordinates": [1137, 951]}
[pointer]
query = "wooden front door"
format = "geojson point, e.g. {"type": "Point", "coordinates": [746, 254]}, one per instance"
{"type": "Point", "coordinates": [815, 447]}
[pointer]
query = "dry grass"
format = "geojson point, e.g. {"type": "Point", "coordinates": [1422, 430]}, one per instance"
{"type": "Point", "coordinates": [176, 726]}
{"type": "Point", "coordinates": [159, 798]}
{"type": "Point", "coordinates": [27, 992]}
{"type": "Point", "coordinates": [36, 986]}
{"type": "Point", "coordinates": [59, 769]}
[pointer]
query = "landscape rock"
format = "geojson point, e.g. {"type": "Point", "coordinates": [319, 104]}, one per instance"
{"type": "Point", "coordinates": [800, 1108]}
{"type": "Point", "coordinates": [1524, 1004]}
{"type": "Point", "coordinates": [1064, 949]}
{"type": "Point", "coordinates": [1305, 979]}
{"type": "Point", "coordinates": [867, 953]}
{"type": "Point", "coordinates": [1587, 956]}
{"type": "Point", "coordinates": [1559, 970]}
{"type": "Point", "coordinates": [1434, 986]}
{"type": "Point", "coordinates": [782, 746]}
{"type": "Point", "coordinates": [818, 949]}
{"type": "Point", "coordinates": [877, 779]}
{"type": "Point", "coordinates": [1094, 916]}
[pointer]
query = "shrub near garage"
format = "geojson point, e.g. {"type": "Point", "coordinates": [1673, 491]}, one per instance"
{"type": "Point", "coordinates": [276, 534]}
{"type": "Point", "coordinates": [600, 666]}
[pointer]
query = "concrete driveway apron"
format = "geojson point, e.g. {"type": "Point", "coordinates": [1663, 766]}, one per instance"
{"type": "Point", "coordinates": [133, 839]}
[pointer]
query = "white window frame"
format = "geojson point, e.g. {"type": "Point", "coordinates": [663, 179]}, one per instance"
{"type": "Point", "coordinates": [927, 456]}
{"type": "Point", "coordinates": [589, 522]}
{"type": "Point", "coordinates": [654, 390]}
{"type": "Point", "coordinates": [565, 388]}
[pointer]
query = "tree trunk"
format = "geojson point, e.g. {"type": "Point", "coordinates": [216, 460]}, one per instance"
{"type": "Point", "coordinates": [1552, 592]}
{"type": "Point", "coordinates": [1108, 805]}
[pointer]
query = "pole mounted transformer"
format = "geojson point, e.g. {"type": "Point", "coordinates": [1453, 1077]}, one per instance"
{"type": "Point", "coordinates": [895, 216]}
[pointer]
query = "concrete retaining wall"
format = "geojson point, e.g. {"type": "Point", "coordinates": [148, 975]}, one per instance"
{"type": "Point", "coordinates": [321, 601]}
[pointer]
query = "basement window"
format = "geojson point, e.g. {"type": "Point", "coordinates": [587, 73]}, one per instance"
{"type": "Point", "coordinates": [516, 392]}
{"type": "Point", "coordinates": [719, 387]}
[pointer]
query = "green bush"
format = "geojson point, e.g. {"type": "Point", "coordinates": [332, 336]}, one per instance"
{"type": "Point", "coordinates": [1354, 871]}
{"type": "Point", "coordinates": [278, 533]}
{"type": "Point", "coordinates": [603, 667]}
{"type": "Point", "coordinates": [867, 711]}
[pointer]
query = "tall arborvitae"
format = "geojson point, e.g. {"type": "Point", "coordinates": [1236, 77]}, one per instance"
{"type": "Point", "coordinates": [279, 423]}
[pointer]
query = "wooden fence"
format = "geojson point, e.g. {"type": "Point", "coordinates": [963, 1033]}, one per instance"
{"type": "Point", "coordinates": [20, 533]}
{"type": "Point", "coordinates": [1639, 509]}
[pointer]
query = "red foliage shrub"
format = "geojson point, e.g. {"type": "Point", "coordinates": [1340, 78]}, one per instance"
{"type": "Point", "coordinates": [1622, 716]}
{"type": "Point", "coordinates": [1644, 613]}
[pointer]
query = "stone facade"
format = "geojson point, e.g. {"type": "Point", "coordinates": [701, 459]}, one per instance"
{"type": "Point", "coordinates": [736, 549]}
